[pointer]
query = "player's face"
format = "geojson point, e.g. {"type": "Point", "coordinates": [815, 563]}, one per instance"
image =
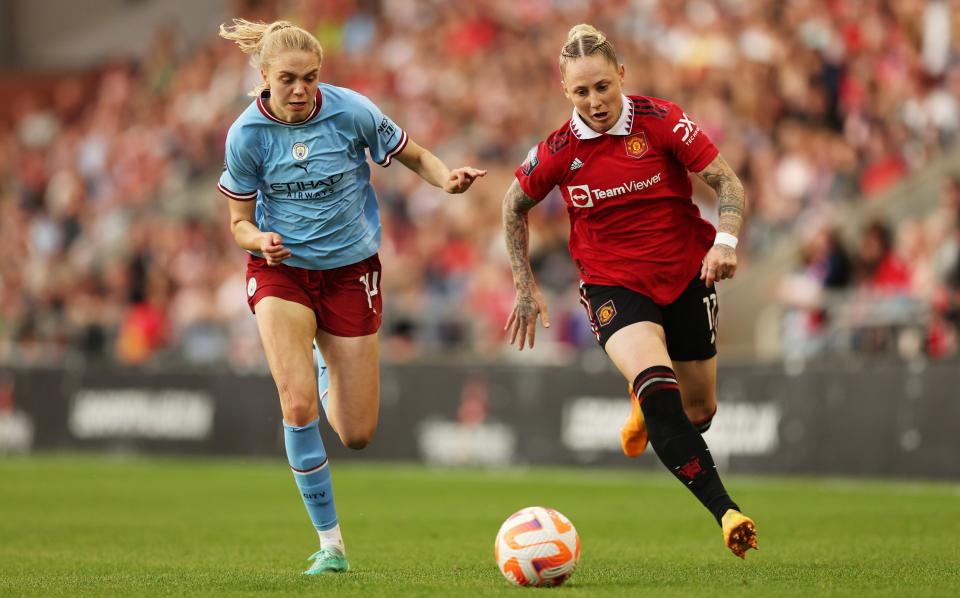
{"type": "Point", "coordinates": [293, 76]}
{"type": "Point", "coordinates": [594, 86]}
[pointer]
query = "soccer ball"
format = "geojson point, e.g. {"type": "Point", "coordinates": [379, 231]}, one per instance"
{"type": "Point", "coordinates": [537, 546]}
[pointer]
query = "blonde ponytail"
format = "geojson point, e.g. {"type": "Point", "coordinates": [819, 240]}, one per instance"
{"type": "Point", "coordinates": [586, 40]}
{"type": "Point", "coordinates": [262, 41]}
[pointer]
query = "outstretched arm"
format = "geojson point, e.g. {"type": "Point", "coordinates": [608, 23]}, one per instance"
{"type": "Point", "coordinates": [434, 171]}
{"type": "Point", "coordinates": [529, 303]}
{"type": "Point", "coordinates": [721, 261]}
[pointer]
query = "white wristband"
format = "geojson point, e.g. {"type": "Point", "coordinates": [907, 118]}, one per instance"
{"type": "Point", "coordinates": [726, 239]}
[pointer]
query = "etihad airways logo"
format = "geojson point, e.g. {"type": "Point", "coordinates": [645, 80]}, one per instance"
{"type": "Point", "coordinates": [581, 196]}
{"type": "Point", "coordinates": [315, 189]}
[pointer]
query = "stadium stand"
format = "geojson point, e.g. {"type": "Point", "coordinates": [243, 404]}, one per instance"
{"type": "Point", "coordinates": [121, 251]}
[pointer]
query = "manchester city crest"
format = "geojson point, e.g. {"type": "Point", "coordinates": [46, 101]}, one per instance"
{"type": "Point", "coordinates": [300, 151]}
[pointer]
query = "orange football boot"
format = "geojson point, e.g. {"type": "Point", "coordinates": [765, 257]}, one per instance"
{"type": "Point", "coordinates": [633, 434]}
{"type": "Point", "coordinates": [739, 532]}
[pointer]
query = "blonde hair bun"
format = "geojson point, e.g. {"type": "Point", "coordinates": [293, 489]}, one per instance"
{"type": "Point", "coordinates": [586, 40]}
{"type": "Point", "coordinates": [578, 31]}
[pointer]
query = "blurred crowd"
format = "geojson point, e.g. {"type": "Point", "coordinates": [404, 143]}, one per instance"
{"type": "Point", "coordinates": [888, 290]}
{"type": "Point", "coordinates": [119, 246]}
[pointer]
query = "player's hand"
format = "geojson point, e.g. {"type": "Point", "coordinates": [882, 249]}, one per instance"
{"type": "Point", "coordinates": [271, 246]}
{"type": "Point", "coordinates": [522, 324]}
{"type": "Point", "coordinates": [460, 179]}
{"type": "Point", "coordinates": [719, 264]}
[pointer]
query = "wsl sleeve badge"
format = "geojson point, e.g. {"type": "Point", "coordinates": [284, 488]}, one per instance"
{"type": "Point", "coordinates": [531, 162]}
{"type": "Point", "coordinates": [537, 547]}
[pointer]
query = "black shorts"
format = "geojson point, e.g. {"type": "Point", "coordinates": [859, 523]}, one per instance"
{"type": "Point", "coordinates": [689, 323]}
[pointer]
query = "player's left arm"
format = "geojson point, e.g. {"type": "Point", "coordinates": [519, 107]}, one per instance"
{"type": "Point", "coordinates": [434, 171]}
{"type": "Point", "coordinates": [721, 261]}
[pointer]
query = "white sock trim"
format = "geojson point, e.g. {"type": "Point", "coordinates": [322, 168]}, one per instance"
{"type": "Point", "coordinates": [332, 538]}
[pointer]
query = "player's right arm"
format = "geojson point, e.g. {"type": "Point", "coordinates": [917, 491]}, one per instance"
{"type": "Point", "coordinates": [249, 237]}
{"type": "Point", "coordinates": [239, 183]}
{"type": "Point", "coordinates": [522, 324]}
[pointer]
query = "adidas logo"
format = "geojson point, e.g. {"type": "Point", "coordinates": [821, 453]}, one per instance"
{"type": "Point", "coordinates": [576, 164]}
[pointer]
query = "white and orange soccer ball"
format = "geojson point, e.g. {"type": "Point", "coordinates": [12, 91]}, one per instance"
{"type": "Point", "coordinates": [537, 546]}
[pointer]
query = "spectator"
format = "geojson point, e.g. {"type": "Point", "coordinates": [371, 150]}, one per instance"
{"type": "Point", "coordinates": [815, 102]}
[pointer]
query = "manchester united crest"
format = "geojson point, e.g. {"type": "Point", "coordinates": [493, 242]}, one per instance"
{"type": "Point", "coordinates": [606, 312]}
{"type": "Point", "coordinates": [636, 145]}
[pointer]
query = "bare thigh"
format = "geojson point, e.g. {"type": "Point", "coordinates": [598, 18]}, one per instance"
{"type": "Point", "coordinates": [698, 388]}
{"type": "Point", "coordinates": [286, 331]}
{"type": "Point", "coordinates": [637, 347]}
{"type": "Point", "coordinates": [353, 401]}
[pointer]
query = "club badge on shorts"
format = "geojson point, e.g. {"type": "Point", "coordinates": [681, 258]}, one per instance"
{"type": "Point", "coordinates": [606, 313]}
{"type": "Point", "coordinates": [251, 286]}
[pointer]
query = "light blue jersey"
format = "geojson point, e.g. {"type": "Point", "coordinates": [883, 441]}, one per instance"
{"type": "Point", "coordinates": [311, 180]}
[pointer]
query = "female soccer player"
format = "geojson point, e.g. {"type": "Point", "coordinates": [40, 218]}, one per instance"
{"type": "Point", "coordinates": [647, 260]}
{"type": "Point", "coordinates": [301, 203]}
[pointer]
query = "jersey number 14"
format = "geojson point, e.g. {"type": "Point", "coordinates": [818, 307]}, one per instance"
{"type": "Point", "coordinates": [370, 286]}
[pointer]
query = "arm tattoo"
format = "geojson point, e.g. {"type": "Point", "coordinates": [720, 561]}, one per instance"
{"type": "Point", "coordinates": [516, 204]}
{"type": "Point", "coordinates": [730, 195]}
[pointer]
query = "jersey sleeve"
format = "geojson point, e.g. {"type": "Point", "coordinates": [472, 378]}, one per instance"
{"type": "Point", "coordinates": [537, 175]}
{"type": "Point", "coordinates": [239, 179]}
{"type": "Point", "coordinates": [382, 137]}
{"type": "Point", "coordinates": [687, 141]}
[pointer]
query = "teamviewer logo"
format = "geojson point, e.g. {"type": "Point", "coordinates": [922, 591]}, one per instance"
{"type": "Point", "coordinates": [580, 196]}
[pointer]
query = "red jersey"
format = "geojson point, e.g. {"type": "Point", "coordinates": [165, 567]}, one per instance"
{"type": "Point", "coordinates": [633, 222]}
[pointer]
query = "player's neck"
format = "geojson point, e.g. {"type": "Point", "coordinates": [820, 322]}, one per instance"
{"type": "Point", "coordinates": [289, 116]}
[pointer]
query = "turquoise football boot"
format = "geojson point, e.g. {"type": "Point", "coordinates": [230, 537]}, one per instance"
{"type": "Point", "coordinates": [327, 560]}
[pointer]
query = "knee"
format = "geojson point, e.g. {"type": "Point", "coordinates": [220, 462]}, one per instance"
{"type": "Point", "coordinates": [299, 414]}
{"type": "Point", "coordinates": [701, 414]}
{"type": "Point", "coordinates": [699, 403]}
{"type": "Point", "coordinates": [298, 410]}
{"type": "Point", "coordinates": [356, 439]}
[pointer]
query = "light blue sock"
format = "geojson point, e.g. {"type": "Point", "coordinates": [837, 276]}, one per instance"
{"type": "Point", "coordinates": [323, 381]}
{"type": "Point", "coordinates": [311, 471]}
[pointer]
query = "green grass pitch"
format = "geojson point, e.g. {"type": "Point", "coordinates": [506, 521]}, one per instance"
{"type": "Point", "coordinates": [74, 526]}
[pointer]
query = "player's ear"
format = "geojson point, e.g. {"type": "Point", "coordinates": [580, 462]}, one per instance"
{"type": "Point", "coordinates": [621, 71]}
{"type": "Point", "coordinates": [563, 85]}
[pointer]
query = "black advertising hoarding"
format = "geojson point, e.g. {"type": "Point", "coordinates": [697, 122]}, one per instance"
{"type": "Point", "coordinates": [873, 419]}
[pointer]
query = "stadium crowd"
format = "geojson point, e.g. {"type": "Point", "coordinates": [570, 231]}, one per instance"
{"type": "Point", "coordinates": [119, 245]}
{"type": "Point", "coordinates": [896, 293]}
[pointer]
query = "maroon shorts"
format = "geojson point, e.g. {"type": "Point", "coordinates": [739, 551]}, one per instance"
{"type": "Point", "coordinates": [346, 300]}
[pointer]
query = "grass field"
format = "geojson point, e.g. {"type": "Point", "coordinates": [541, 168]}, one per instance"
{"type": "Point", "coordinates": [82, 525]}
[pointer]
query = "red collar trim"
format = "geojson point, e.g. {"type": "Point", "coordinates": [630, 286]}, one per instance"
{"type": "Point", "coordinates": [265, 95]}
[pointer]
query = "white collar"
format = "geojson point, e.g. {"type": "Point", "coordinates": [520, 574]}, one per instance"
{"type": "Point", "coordinates": [622, 127]}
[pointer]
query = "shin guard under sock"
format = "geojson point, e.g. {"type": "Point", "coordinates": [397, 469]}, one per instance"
{"type": "Point", "coordinates": [677, 443]}
{"type": "Point", "coordinates": [311, 471]}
